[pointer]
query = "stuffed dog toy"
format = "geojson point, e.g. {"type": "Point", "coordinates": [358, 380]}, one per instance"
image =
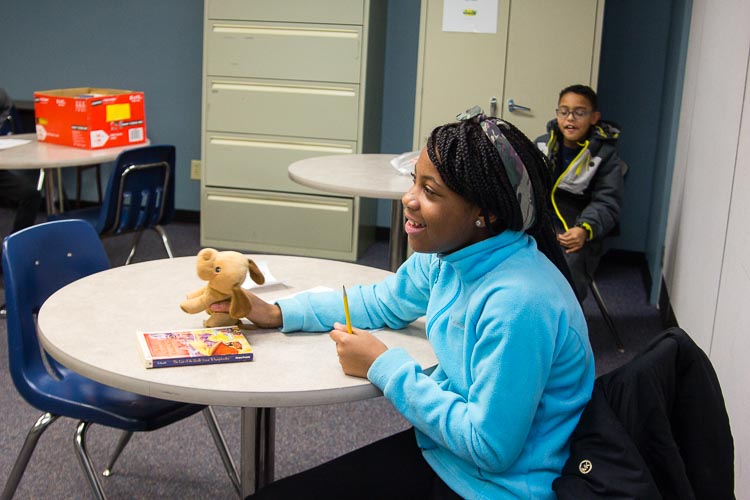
{"type": "Point", "coordinates": [225, 272]}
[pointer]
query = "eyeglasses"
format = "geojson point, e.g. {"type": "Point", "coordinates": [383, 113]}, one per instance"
{"type": "Point", "coordinates": [577, 112]}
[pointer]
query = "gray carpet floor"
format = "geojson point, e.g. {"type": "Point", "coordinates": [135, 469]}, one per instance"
{"type": "Point", "coordinates": [180, 461]}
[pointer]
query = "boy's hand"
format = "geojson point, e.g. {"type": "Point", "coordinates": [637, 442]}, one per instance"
{"type": "Point", "coordinates": [573, 239]}
{"type": "Point", "coordinates": [358, 351]}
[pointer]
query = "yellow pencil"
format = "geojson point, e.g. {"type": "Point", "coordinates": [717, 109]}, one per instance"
{"type": "Point", "coordinates": [346, 311]}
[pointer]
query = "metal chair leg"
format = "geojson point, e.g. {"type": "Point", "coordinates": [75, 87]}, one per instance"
{"type": "Point", "coordinates": [84, 460]}
{"type": "Point", "coordinates": [221, 445]}
{"type": "Point", "coordinates": [124, 438]}
{"type": "Point", "coordinates": [24, 455]}
{"type": "Point", "coordinates": [607, 317]}
{"type": "Point", "coordinates": [164, 239]}
{"type": "Point", "coordinates": [136, 240]}
{"type": "Point", "coordinates": [40, 180]}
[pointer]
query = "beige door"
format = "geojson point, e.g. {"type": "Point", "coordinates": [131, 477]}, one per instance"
{"type": "Point", "coordinates": [540, 47]}
{"type": "Point", "coordinates": [456, 70]}
{"type": "Point", "coordinates": [552, 45]}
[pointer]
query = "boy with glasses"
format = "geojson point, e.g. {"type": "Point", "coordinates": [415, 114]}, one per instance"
{"type": "Point", "coordinates": [588, 180]}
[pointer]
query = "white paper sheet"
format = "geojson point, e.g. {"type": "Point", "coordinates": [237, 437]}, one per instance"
{"type": "Point", "coordinates": [471, 16]}
{"type": "Point", "coordinates": [264, 269]}
{"type": "Point", "coordinates": [11, 143]}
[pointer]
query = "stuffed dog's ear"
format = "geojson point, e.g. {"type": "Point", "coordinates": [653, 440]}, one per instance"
{"type": "Point", "coordinates": [255, 273]}
{"type": "Point", "coordinates": [239, 304]}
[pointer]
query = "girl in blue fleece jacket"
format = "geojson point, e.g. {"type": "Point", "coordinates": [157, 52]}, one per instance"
{"type": "Point", "coordinates": [515, 368]}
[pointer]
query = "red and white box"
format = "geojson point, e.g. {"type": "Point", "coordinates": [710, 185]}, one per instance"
{"type": "Point", "coordinates": [90, 118]}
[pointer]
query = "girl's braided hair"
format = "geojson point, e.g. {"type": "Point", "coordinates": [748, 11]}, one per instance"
{"type": "Point", "coordinates": [471, 166]}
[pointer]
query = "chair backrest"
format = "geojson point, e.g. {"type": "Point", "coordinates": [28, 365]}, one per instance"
{"type": "Point", "coordinates": [12, 123]}
{"type": "Point", "coordinates": [140, 191]}
{"type": "Point", "coordinates": [656, 422]}
{"type": "Point", "coordinates": [38, 261]}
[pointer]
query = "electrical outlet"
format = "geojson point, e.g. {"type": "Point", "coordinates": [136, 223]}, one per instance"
{"type": "Point", "coordinates": [195, 170]}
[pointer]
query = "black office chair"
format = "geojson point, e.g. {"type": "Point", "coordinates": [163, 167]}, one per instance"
{"type": "Point", "coordinates": [12, 123]}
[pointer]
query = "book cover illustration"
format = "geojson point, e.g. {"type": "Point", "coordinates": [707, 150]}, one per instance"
{"type": "Point", "coordinates": [194, 347]}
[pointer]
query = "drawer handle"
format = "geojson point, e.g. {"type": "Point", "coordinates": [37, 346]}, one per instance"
{"type": "Point", "coordinates": [277, 203]}
{"type": "Point", "coordinates": [283, 89]}
{"type": "Point", "coordinates": [321, 148]}
{"type": "Point", "coordinates": [269, 31]}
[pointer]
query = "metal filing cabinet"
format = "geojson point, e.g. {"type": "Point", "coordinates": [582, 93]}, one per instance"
{"type": "Point", "coordinates": [285, 80]}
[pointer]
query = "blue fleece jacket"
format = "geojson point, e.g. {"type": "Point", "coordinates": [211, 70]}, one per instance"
{"type": "Point", "coordinates": [515, 367]}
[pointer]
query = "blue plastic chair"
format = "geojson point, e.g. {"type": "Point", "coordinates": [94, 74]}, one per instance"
{"type": "Point", "coordinates": [38, 261]}
{"type": "Point", "coordinates": [139, 196]}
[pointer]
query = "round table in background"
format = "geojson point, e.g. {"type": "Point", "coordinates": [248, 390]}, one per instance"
{"type": "Point", "coordinates": [366, 175]}
{"type": "Point", "coordinates": [45, 156]}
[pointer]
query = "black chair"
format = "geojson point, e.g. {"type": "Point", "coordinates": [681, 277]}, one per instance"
{"type": "Point", "coordinates": [11, 124]}
{"type": "Point", "coordinates": [657, 427]}
{"type": "Point", "coordinates": [595, 289]}
{"type": "Point", "coordinates": [37, 261]}
{"type": "Point", "coordinates": [605, 314]}
{"type": "Point", "coordinates": [139, 196]}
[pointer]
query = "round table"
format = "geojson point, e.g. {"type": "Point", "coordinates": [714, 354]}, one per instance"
{"type": "Point", "coordinates": [90, 326]}
{"type": "Point", "coordinates": [44, 156]}
{"type": "Point", "coordinates": [366, 175]}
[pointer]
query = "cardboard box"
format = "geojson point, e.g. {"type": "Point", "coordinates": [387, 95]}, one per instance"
{"type": "Point", "coordinates": [90, 118]}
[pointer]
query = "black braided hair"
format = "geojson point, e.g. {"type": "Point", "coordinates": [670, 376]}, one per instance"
{"type": "Point", "coordinates": [470, 165]}
{"type": "Point", "coordinates": [583, 90]}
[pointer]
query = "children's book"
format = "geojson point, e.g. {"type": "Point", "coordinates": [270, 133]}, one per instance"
{"type": "Point", "coordinates": [194, 347]}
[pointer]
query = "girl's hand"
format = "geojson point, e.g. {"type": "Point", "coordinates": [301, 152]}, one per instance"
{"type": "Point", "coordinates": [358, 351]}
{"type": "Point", "coordinates": [262, 314]}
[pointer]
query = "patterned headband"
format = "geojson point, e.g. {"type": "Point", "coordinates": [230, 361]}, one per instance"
{"type": "Point", "coordinates": [514, 166]}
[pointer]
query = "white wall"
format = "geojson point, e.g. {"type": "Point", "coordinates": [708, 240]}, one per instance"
{"type": "Point", "coordinates": [731, 342]}
{"type": "Point", "coordinates": [707, 268]}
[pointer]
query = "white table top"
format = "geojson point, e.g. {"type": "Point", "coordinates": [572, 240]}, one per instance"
{"type": "Point", "coordinates": [367, 175]}
{"type": "Point", "coordinates": [89, 326]}
{"type": "Point", "coordinates": [37, 154]}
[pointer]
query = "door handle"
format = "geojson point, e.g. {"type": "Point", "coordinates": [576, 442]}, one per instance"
{"type": "Point", "coordinates": [512, 106]}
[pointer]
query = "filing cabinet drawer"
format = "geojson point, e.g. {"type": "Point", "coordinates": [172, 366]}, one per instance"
{"type": "Point", "coordinates": [284, 51]}
{"type": "Point", "coordinates": [296, 221]}
{"type": "Point", "coordinates": [301, 109]}
{"type": "Point", "coordinates": [300, 11]}
{"type": "Point", "coordinates": [249, 162]}
{"type": "Point", "coordinates": [285, 80]}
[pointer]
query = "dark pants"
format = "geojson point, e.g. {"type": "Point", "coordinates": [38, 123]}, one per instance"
{"type": "Point", "coordinates": [583, 263]}
{"type": "Point", "coordinates": [18, 189]}
{"type": "Point", "coordinates": [392, 468]}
